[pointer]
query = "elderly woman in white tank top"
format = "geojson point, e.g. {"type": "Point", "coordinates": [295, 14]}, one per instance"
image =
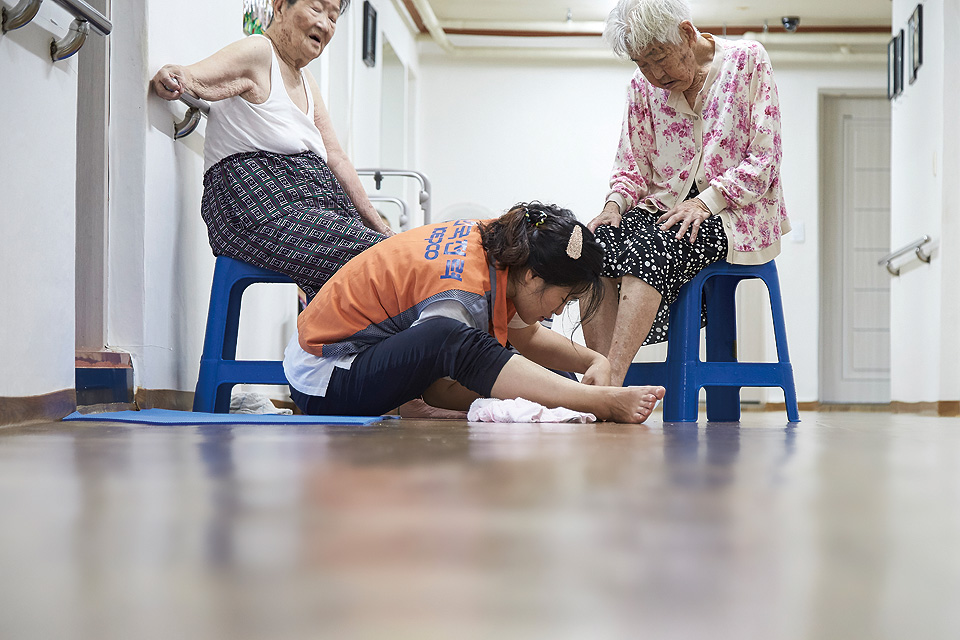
{"type": "Point", "coordinates": [279, 191]}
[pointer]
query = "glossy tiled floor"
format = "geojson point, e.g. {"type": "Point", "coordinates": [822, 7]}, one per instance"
{"type": "Point", "coordinates": [846, 526]}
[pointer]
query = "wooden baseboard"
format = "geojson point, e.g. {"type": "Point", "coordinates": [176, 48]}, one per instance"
{"type": "Point", "coordinates": [50, 407]}
{"type": "Point", "coordinates": [164, 399]}
{"type": "Point", "coordinates": [780, 406]}
{"type": "Point", "coordinates": [944, 408]}
{"type": "Point", "coordinates": [917, 408]}
{"type": "Point", "coordinates": [948, 408]}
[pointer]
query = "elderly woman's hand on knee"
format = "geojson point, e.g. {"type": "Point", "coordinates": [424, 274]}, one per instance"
{"type": "Point", "coordinates": [689, 214]}
{"type": "Point", "coordinates": [609, 216]}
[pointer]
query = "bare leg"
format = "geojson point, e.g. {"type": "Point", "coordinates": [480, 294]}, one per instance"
{"type": "Point", "coordinates": [449, 394]}
{"type": "Point", "coordinates": [443, 400]}
{"type": "Point", "coordinates": [420, 409]}
{"type": "Point", "coordinates": [598, 331]}
{"type": "Point", "coordinates": [522, 378]}
{"type": "Point", "coordinates": [637, 310]}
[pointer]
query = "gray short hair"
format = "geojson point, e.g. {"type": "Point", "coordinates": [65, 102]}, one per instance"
{"type": "Point", "coordinates": [633, 25]}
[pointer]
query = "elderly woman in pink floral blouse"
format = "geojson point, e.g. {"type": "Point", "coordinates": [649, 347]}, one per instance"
{"type": "Point", "coordinates": [697, 174]}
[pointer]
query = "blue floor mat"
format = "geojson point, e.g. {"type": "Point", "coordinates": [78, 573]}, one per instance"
{"type": "Point", "coordinates": [166, 416]}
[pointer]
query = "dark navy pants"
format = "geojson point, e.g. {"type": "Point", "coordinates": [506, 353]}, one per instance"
{"type": "Point", "coordinates": [403, 366]}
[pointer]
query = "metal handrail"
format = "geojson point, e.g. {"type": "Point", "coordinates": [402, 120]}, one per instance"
{"type": "Point", "coordinates": [404, 208]}
{"type": "Point", "coordinates": [194, 102]}
{"type": "Point", "coordinates": [914, 246]}
{"type": "Point", "coordinates": [424, 197]}
{"type": "Point", "coordinates": [85, 18]}
{"type": "Point", "coordinates": [83, 11]}
{"type": "Point", "coordinates": [191, 119]}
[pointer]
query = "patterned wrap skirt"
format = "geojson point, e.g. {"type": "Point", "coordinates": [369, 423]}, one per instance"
{"type": "Point", "coordinates": [639, 248]}
{"type": "Point", "coordinates": [283, 213]}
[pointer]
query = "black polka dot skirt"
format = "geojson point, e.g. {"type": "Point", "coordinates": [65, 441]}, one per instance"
{"type": "Point", "coordinates": [639, 248]}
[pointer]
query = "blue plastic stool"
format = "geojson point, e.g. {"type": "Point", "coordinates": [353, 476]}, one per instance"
{"type": "Point", "coordinates": [219, 368]}
{"type": "Point", "coordinates": [683, 373]}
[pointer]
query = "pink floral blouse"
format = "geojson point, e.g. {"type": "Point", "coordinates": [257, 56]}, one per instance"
{"type": "Point", "coordinates": [730, 144]}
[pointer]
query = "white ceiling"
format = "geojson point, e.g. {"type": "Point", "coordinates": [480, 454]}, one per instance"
{"type": "Point", "coordinates": [749, 13]}
{"type": "Point", "coordinates": [831, 31]}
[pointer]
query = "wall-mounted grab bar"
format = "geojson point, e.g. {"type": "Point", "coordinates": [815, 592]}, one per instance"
{"type": "Point", "coordinates": [914, 246]}
{"type": "Point", "coordinates": [191, 119]}
{"type": "Point", "coordinates": [20, 15]}
{"type": "Point", "coordinates": [194, 102]}
{"type": "Point", "coordinates": [83, 11]}
{"type": "Point", "coordinates": [85, 18]}
{"type": "Point", "coordinates": [380, 174]}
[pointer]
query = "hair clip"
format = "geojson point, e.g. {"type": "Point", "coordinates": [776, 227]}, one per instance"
{"type": "Point", "coordinates": [575, 244]}
{"type": "Point", "coordinates": [541, 217]}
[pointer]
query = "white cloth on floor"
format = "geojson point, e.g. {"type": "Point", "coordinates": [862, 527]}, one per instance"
{"type": "Point", "coordinates": [249, 402]}
{"type": "Point", "coordinates": [520, 410]}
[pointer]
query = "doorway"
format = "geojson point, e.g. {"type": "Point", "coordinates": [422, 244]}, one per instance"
{"type": "Point", "coordinates": [855, 233]}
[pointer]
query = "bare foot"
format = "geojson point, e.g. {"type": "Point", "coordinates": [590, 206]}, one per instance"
{"type": "Point", "coordinates": [633, 404]}
{"type": "Point", "coordinates": [420, 409]}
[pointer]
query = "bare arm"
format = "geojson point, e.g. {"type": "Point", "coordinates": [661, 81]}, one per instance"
{"type": "Point", "coordinates": [239, 69]}
{"type": "Point", "coordinates": [341, 166]}
{"type": "Point", "coordinates": [554, 351]}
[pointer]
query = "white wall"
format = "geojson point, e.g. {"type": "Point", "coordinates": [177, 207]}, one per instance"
{"type": "Point", "coordinates": [925, 303]}
{"type": "Point", "coordinates": [159, 264]}
{"type": "Point", "coordinates": [950, 248]}
{"type": "Point", "coordinates": [497, 132]}
{"type": "Point", "coordinates": [37, 207]}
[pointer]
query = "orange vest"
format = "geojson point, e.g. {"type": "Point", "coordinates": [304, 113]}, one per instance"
{"type": "Point", "coordinates": [383, 290]}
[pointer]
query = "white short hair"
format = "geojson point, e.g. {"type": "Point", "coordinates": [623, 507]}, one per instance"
{"type": "Point", "coordinates": [633, 25]}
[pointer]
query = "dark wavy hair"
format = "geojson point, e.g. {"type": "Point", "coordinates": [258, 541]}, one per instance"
{"type": "Point", "coordinates": [343, 5]}
{"type": "Point", "coordinates": [535, 236]}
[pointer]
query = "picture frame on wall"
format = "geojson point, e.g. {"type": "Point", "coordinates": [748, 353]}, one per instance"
{"type": "Point", "coordinates": [369, 34]}
{"type": "Point", "coordinates": [915, 40]}
{"type": "Point", "coordinates": [895, 66]}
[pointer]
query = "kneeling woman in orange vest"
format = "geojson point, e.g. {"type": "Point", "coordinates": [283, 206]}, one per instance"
{"type": "Point", "coordinates": [428, 313]}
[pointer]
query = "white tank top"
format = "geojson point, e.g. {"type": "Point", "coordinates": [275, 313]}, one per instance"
{"type": "Point", "coordinates": [235, 125]}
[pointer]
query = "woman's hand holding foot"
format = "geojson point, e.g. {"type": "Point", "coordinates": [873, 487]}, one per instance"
{"type": "Point", "coordinates": [598, 373]}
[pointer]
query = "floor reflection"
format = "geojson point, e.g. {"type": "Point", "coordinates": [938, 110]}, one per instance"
{"type": "Point", "coordinates": [843, 526]}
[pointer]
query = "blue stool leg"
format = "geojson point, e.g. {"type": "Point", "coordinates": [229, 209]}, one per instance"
{"type": "Point", "coordinates": [220, 340]}
{"type": "Point", "coordinates": [723, 402]}
{"type": "Point", "coordinates": [205, 395]}
{"type": "Point", "coordinates": [229, 351]}
{"type": "Point", "coordinates": [681, 402]}
{"type": "Point", "coordinates": [771, 279]}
